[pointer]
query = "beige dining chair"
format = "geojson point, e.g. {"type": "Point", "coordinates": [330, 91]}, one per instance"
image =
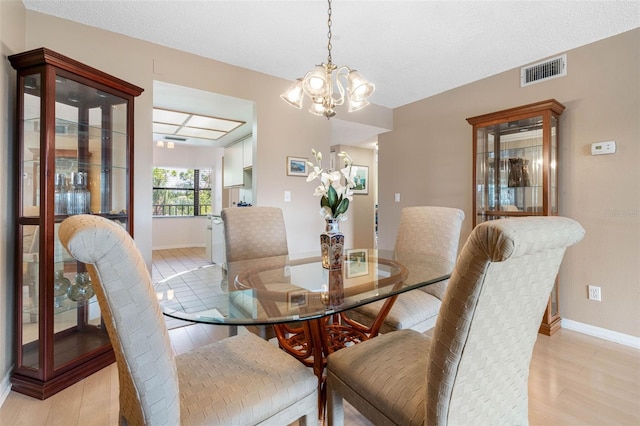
{"type": "Point", "coordinates": [252, 233]}
{"type": "Point", "coordinates": [475, 368]}
{"type": "Point", "coordinates": [423, 231]}
{"type": "Point", "coordinates": [241, 380]}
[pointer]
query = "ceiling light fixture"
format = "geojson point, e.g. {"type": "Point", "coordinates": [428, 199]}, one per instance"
{"type": "Point", "coordinates": [318, 83]}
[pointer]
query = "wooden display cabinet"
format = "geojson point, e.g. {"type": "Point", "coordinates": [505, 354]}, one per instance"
{"type": "Point", "coordinates": [73, 156]}
{"type": "Point", "coordinates": [515, 171]}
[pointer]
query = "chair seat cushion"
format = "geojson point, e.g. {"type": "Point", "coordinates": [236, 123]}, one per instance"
{"type": "Point", "coordinates": [394, 381]}
{"type": "Point", "coordinates": [241, 380]}
{"type": "Point", "coordinates": [415, 309]}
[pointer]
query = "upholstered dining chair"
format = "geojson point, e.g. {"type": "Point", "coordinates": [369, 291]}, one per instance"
{"type": "Point", "coordinates": [241, 380]}
{"type": "Point", "coordinates": [475, 368]}
{"type": "Point", "coordinates": [423, 230]}
{"type": "Point", "coordinates": [252, 233]}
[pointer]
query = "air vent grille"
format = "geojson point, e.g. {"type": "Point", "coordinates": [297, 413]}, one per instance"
{"type": "Point", "coordinates": [542, 71]}
{"type": "Point", "coordinates": [174, 138]}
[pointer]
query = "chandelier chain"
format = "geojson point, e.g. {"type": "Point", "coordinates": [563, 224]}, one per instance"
{"type": "Point", "coordinates": [329, 62]}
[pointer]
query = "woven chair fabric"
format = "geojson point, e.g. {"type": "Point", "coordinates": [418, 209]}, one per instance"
{"type": "Point", "coordinates": [252, 233]}
{"type": "Point", "coordinates": [424, 231]}
{"type": "Point", "coordinates": [477, 363]}
{"type": "Point", "coordinates": [154, 384]}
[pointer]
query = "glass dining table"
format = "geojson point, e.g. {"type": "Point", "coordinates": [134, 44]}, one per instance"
{"type": "Point", "coordinates": [305, 303]}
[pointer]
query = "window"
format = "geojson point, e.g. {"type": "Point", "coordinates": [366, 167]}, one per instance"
{"type": "Point", "coordinates": [181, 192]}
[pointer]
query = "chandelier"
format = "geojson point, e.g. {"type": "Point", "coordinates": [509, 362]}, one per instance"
{"type": "Point", "coordinates": [318, 85]}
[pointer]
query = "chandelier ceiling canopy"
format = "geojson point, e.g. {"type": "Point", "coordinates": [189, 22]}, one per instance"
{"type": "Point", "coordinates": [318, 85]}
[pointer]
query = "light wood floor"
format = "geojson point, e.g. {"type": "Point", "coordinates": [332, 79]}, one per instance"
{"type": "Point", "coordinates": [575, 379]}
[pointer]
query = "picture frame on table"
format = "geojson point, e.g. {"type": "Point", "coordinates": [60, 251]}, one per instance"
{"type": "Point", "coordinates": [357, 263]}
{"type": "Point", "coordinates": [362, 180]}
{"type": "Point", "coordinates": [297, 299]}
{"type": "Point", "coordinates": [297, 166]}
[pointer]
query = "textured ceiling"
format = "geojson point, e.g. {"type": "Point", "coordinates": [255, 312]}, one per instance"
{"type": "Point", "coordinates": [409, 49]}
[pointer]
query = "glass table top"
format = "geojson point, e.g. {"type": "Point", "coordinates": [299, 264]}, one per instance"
{"type": "Point", "coordinates": [289, 288]}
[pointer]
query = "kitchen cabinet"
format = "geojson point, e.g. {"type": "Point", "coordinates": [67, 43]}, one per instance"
{"type": "Point", "coordinates": [238, 159]}
{"type": "Point", "coordinates": [247, 153]}
{"type": "Point", "coordinates": [73, 156]}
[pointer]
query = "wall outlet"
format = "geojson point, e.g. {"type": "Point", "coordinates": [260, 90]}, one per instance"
{"type": "Point", "coordinates": [594, 293]}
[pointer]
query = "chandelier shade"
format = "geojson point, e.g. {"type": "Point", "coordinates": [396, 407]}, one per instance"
{"type": "Point", "coordinates": [294, 94]}
{"type": "Point", "coordinates": [326, 90]}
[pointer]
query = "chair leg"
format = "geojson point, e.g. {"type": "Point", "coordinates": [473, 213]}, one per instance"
{"type": "Point", "coordinates": [335, 406]}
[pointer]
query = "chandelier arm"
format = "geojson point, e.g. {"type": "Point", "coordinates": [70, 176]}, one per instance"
{"type": "Point", "coordinates": [343, 71]}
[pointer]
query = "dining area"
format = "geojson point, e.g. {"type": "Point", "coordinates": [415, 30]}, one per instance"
{"type": "Point", "coordinates": [320, 354]}
{"type": "Point", "coordinates": [293, 299]}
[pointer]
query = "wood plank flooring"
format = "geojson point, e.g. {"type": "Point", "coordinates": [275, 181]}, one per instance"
{"type": "Point", "coordinates": [575, 379]}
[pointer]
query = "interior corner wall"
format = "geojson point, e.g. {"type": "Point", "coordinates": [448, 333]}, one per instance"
{"type": "Point", "coordinates": [12, 40]}
{"type": "Point", "coordinates": [358, 229]}
{"type": "Point", "coordinates": [427, 158]}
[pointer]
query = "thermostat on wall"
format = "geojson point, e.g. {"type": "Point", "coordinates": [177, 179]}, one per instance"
{"type": "Point", "coordinates": [603, 148]}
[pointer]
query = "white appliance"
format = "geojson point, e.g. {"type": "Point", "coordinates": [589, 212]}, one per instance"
{"type": "Point", "coordinates": [217, 241]}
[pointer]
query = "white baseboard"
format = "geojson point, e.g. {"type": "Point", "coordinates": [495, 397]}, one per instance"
{"type": "Point", "coordinates": [603, 333]}
{"type": "Point", "coordinates": [5, 387]}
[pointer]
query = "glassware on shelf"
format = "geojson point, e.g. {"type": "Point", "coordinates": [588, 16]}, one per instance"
{"type": "Point", "coordinates": [60, 193]}
{"type": "Point", "coordinates": [78, 197]}
{"type": "Point", "coordinates": [82, 289]}
{"type": "Point", "coordinates": [61, 285]}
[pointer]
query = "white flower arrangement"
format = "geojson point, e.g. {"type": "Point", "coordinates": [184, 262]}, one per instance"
{"type": "Point", "coordinates": [335, 186]}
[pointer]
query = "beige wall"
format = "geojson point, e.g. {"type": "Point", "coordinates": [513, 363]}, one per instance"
{"type": "Point", "coordinates": [12, 27]}
{"type": "Point", "coordinates": [280, 130]}
{"type": "Point", "coordinates": [427, 158]}
{"type": "Point", "coordinates": [358, 229]}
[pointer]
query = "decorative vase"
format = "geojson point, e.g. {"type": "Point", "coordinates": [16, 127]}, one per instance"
{"type": "Point", "coordinates": [61, 285]}
{"type": "Point", "coordinates": [336, 287]}
{"type": "Point", "coordinates": [81, 290]}
{"type": "Point", "coordinates": [334, 294]}
{"type": "Point", "coordinates": [332, 244]}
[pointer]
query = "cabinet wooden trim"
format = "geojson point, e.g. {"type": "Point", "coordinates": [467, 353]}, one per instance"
{"type": "Point", "coordinates": [490, 189]}
{"type": "Point", "coordinates": [58, 341]}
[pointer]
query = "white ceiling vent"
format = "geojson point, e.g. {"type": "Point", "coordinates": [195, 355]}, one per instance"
{"type": "Point", "coordinates": [542, 71]}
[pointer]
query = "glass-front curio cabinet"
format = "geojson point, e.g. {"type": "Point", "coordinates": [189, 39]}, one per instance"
{"type": "Point", "coordinates": [515, 171]}
{"type": "Point", "coordinates": [73, 156]}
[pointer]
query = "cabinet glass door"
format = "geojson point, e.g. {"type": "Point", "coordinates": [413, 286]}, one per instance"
{"type": "Point", "coordinates": [75, 126]}
{"type": "Point", "coordinates": [509, 169]}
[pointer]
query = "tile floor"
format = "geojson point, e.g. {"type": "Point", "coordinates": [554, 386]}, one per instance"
{"type": "Point", "coordinates": [185, 335]}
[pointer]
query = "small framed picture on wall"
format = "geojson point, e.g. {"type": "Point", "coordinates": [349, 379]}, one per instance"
{"type": "Point", "coordinates": [297, 166]}
{"type": "Point", "coordinates": [362, 180]}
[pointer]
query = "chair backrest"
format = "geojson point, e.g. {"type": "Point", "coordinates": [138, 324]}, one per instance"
{"type": "Point", "coordinates": [488, 322]}
{"type": "Point", "coordinates": [254, 232]}
{"type": "Point", "coordinates": [146, 368]}
{"type": "Point", "coordinates": [430, 230]}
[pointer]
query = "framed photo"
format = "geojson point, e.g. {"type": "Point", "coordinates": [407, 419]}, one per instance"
{"type": "Point", "coordinates": [297, 299]}
{"type": "Point", "coordinates": [357, 263]}
{"type": "Point", "coordinates": [297, 166]}
{"type": "Point", "coordinates": [362, 180]}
